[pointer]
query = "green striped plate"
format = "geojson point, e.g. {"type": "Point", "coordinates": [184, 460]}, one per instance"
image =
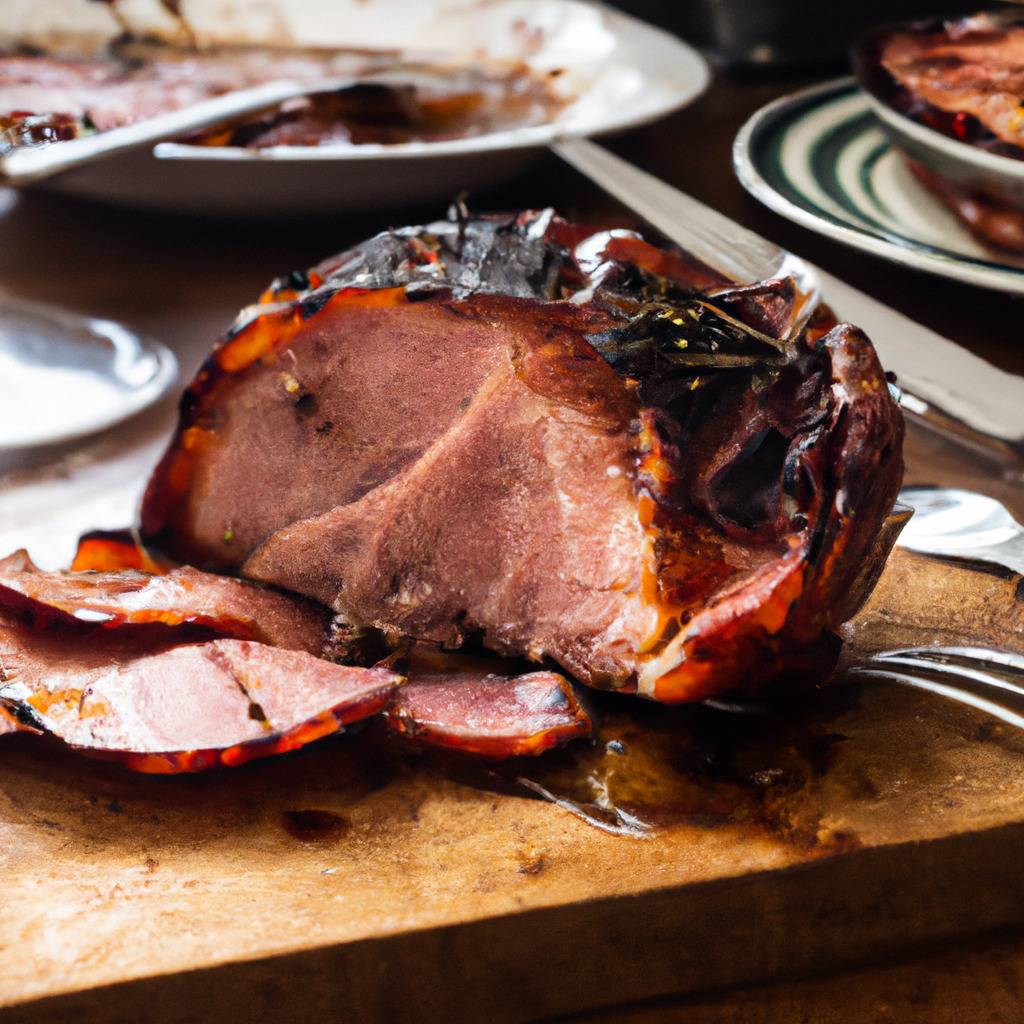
{"type": "Point", "coordinates": [822, 159]}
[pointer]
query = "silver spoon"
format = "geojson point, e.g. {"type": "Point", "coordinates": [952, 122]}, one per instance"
{"type": "Point", "coordinates": [952, 523]}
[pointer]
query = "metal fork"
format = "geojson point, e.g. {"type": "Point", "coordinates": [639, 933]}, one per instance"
{"type": "Point", "coordinates": [987, 680]}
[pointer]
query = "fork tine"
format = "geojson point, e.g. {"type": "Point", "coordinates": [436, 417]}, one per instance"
{"type": "Point", "coordinates": [954, 693]}
{"type": "Point", "coordinates": [1005, 661]}
{"type": "Point", "coordinates": [952, 669]}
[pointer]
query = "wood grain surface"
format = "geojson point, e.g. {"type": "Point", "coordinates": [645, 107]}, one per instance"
{"type": "Point", "coordinates": [854, 825]}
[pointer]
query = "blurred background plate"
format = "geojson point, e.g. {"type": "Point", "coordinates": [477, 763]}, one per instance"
{"type": "Point", "coordinates": [621, 72]}
{"type": "Point", "coordinates": [821, 158]}
{"type": "Point", "coordinates": [66, 376]}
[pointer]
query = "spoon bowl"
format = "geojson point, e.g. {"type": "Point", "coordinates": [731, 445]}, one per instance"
{"type": "Point", "coordinates": [953, 523]}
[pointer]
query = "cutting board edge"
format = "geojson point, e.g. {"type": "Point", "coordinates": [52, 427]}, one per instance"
{"type": "Point", "coordinates": [834, 912]}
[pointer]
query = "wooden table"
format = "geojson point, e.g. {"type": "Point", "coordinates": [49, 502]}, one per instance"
{"type": "Point", "coordinates": [183, 279]}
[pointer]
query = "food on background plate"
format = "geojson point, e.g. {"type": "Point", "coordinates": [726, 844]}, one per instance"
{"type": "Point", "coordinates": [963, 78]}
{"type": "Point", "coordinates": [508, 434]}
{"type": "Point", "coordinates": [425, 104]}
{"type": "Point", "coordinates": [50, 98]}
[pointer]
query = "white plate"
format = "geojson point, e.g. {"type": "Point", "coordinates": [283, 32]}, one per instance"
{"type": "Point", "coordinates": [622, 72]}
{"type": "Point", "coordinates": [65, 376]}
{"type": "Point", "coordinates": [823, 159]}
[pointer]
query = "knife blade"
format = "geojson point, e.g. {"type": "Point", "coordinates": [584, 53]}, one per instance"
{"type": "Point", "coordinates": [945, 386]}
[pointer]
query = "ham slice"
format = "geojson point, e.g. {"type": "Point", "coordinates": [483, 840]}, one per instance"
{"type": "Point", "coordinates": [162, 709]}
{"type": "Point", "coordinates": [475, 706]}
{"type": "Point", "coordinates": [182, 597]}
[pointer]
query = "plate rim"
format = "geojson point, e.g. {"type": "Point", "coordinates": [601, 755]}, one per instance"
{"type": "Point", "coordinates": [509, 140]}
{"type": "Point", "coordinates": [906, 252]}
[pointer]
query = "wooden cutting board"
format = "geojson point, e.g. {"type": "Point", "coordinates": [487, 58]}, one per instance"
{"type": "Point", "coordinates": [347, 882]}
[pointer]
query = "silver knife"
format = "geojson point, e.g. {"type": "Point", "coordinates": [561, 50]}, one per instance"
{"type": "Point", "coordinates": [944, 386]}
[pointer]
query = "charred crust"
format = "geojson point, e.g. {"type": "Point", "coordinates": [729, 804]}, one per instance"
{"type": "Point", "coordinates": [312, 303]}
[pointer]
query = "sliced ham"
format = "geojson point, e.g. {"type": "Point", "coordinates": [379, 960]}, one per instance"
{"type": "Point", "coordinates": [475, 706]}
{"type": "Point", "coordinates": [182, 597]}
{"type": "Point", "coordinates": [164, 709]}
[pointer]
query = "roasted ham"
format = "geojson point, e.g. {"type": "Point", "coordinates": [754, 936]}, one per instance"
{"type": "Point", "coordinates": [567, 445]}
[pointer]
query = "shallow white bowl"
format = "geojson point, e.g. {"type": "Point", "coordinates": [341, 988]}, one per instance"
{"type": "Point", "coordinates": [638, 73]}
{"type": "Point", "coordinates": [951, 159]}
